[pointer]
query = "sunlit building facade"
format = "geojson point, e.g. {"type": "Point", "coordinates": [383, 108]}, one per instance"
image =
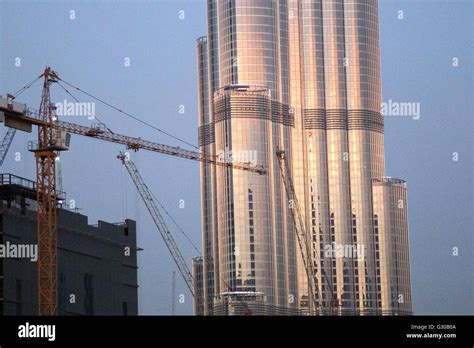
{"type": "Point", "coordinates": [303, 77]}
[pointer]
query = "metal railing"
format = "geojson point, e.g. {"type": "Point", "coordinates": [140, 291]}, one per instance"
{"type": "Point", "coordinates": [11, 179]}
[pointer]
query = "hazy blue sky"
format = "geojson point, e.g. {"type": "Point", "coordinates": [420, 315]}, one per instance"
{"type": "Point", "coordinates": [89, 51]}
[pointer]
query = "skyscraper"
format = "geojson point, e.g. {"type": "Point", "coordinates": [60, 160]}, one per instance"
{"type": "Point", "coordinates": [303, 77]}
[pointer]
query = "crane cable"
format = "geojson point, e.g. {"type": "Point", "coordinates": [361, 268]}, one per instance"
{"type": "Point", "coordinates": [128, 114]}
{"type": "Point", "coordinates": [176, 224]}
{"type": "Point", "coordinates": [25, 87]}
{"type": "Point", "coordinates": [82, 106]}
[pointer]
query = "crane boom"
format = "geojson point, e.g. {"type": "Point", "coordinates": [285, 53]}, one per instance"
{"type": "Point", "coordinates": [30, 117]}
{"type": "Point", "coordinates": [150, 204]}
{"type": "Point", "coordinates": [302, 236]}
{"type": "Point", "coordinates": [6, 142]}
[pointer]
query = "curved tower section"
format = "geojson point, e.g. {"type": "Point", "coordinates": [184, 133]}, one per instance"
{"type": "Point", "coordinates": [254, 241]}
{"type": "Point", "coordinates": [301, 76]}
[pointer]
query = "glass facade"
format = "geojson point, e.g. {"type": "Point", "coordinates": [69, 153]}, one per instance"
{"type": "Point", "coordinates": [197, 272]}
{"type": "Point", "coordinates": [391, 237]}
{"type": "Point", "coordinates": [304, 77]}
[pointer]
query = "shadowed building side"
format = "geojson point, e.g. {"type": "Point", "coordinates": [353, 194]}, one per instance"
{"type": "Point", "coordinates": [97, 265]}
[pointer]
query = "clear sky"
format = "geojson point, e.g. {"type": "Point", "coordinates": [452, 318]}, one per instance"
{"type": "Point", "coordinates": [91, 49]}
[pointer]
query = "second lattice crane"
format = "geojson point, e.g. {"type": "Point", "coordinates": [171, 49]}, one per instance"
{"type": "Point", "coordinates": [161, 226]}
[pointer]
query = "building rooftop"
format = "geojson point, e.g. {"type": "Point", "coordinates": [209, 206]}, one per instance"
{"type": "Point", "coordinates": [10, 183]}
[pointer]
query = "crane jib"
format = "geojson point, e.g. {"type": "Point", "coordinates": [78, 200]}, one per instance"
{"type": "Point", "coordinates": [23, 121]}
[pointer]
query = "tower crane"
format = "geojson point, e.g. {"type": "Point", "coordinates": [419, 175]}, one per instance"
{"type": "Point", "coordinates": [160, 224]}
{"type": "Point", "coordinates": [5, 145]}
{"type": "Point", "coordinates": [53, 138]}
{"type": "Point", "coordinates": [301, 234]}
{"type": "Point", "coordinates": [302, 237]}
